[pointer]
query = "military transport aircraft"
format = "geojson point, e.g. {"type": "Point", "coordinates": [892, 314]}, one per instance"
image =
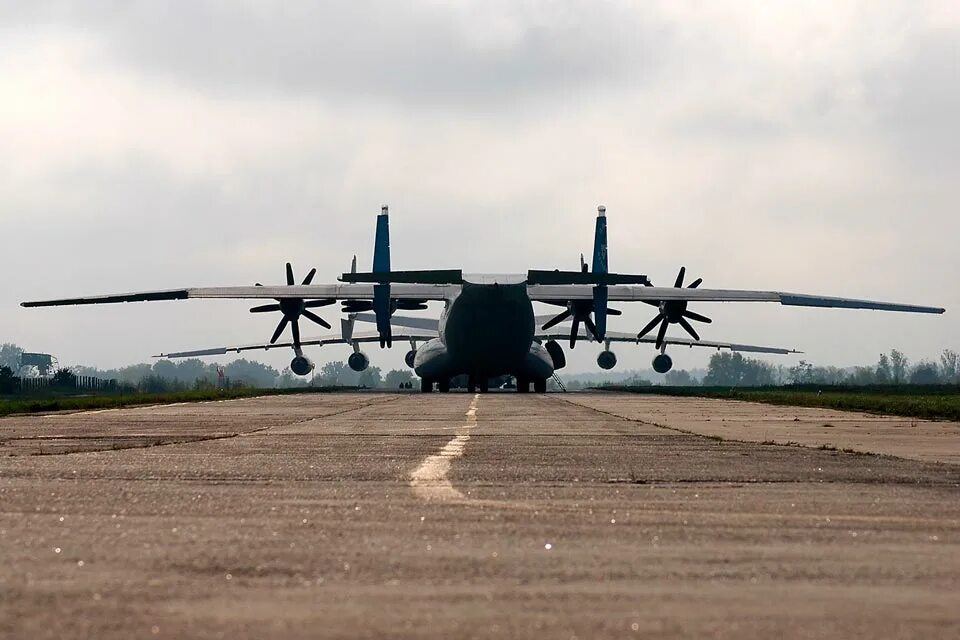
{"type": "Point", "coordinates": [487, 326]}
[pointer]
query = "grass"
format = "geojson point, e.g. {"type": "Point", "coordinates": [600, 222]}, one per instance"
{"type": "Point", "coordinates": [113, 400]}
{"type": "Point", "coordinates": [940, 402]}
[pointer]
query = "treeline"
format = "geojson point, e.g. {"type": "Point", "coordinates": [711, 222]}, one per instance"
{"type": "Point", "coordinates": [893, 368]}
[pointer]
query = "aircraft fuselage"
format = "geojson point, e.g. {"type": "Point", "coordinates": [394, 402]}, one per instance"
{"type": "Point", "coordinates": [486, 330]}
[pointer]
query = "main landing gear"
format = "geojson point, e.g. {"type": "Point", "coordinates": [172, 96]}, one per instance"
{"type": "Point", "coordinates": [539, 385]}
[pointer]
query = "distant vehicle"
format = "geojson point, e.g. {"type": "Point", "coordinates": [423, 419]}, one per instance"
{"type": "Point", "coordinates": [487, 326]}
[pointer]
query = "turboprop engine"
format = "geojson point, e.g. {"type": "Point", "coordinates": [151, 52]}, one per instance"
{"type": "Point", "coordinates": [358, 361]}
{"type": "Point", "coordinates": [662, 363]}
{"type": "Point", "coordinates": [301, 365]}
{"type": "Point", "coordinates": [607, 359]}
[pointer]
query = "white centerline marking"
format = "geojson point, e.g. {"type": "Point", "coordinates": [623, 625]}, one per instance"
{"type": "Point", "coordinates": [429, 481]}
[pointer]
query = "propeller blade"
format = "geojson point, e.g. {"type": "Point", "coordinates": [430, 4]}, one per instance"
{"type": "Point", "coordinates": [312, 316]}
{"type": "Point", "coordinates": [686, 325]}
{"type": "Point", "coordinates": [313, 304]}
{"type": "Point", "coordinates": [650, 326]}
{"type": "Point", "coordinates": [583, 265]}
{"type": "Point", "coordinates": [695, 283]}
{"type": "Point", "coordinates": [591, 327]}
{"type": "Point", "coordinates": [614, 312]}
{"type": "Point", "coordinates": [697, 317]}
{"type": "Point", "coordinates": [574, 331]}
{"type": "Point", "coordinates": [554, 321]}
{"type": "Point", "coordinates": [295, 327]}
{"type": "Point", "coordinates": [264, 308]}
{"type": "Point", "coordinates": [309, 277]}
{"type": "Point", "coordinates": [679, 282]}
{"type": "Point", "coordinates": [280, 328]}
{"type": "Point", "coordinates": [290, 274]}
{"type": "Point", "coordinates": [662, 333]}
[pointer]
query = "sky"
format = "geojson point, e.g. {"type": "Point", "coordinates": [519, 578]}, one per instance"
{"type": "Point", "coordinates": [805, 147]}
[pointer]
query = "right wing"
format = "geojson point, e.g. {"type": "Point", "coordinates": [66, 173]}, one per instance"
{"type": "Point", "coordinates": [307, 292]}
{"type": "Point", "coordinates": [316, 342]}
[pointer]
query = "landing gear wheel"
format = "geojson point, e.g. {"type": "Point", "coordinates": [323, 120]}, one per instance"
{"type": "Point", "coordinates": [540, 385]}
{"type": "Point", "coordinates": [472, 384]}
{"type": "Point", "coordinates": [426, 386]}
{"type": "Point", "coordinates": [523, 385]}
{"type": "Point", "coordinates": [484, 384]}
{"type": "Point", "coordinates": [443, 385]}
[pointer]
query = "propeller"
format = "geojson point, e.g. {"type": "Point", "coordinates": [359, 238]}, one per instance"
{"type": "Point", "coordinates": [580, 311]}
{"type": "Point", "coordinates": [293, 308]}
{"type": "Point", "coordinates": [674, 312]}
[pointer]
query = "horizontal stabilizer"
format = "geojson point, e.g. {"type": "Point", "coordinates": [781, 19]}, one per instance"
{"type": "Point", "coordinates": [428, 276]}
{"type": "Point", "coordinates": [535, 276]}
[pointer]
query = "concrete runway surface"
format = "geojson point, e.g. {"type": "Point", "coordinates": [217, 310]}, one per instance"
{"type": "Point", "coordinates": [456, 516]}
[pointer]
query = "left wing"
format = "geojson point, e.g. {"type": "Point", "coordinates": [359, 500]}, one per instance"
{"type": "Point", "coordinates": [318, 342]}
{"type": "Point", "coordinates": [618, 336]}
{"type": "Point", "coordinates": [634, 293]}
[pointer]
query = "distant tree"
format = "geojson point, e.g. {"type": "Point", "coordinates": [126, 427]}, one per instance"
{"type": "Point", "coordinates": [397, 377]}
{"type": "Point", "coordinates": [925, 373]}
{"type": "Point", "coordinates": [864, 376]}
{"type": "Point", "coordinates": [64, 379]}
{"type": "Point", "coordinates": [802, 373]}
{"type": "Point", "coordinates": [369, 378]}
{"type": "Point", "coordinates": [288, 380]}
{"type": "Point", "coordinates": [898, 366]}
{"type": "Point", "coordinates": [10, 356]}
{"type": "Point", "coordinates": [333, 374]}
{"type": "Point", "coordinates": [884, 373]}
{"type": "Point", "coordinates": [679, 378]}
{"type": "Point", "coordinates": [203, 384]}
{"type": "Point", "coordinates": [950, 366]}
{"type": "Point", "coordinates": [252, 373]}
{"type": "Point", "coordinates": [732, 369]}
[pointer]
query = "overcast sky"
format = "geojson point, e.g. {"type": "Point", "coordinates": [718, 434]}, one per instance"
{"type": "Point", "coordinates": [804, 146]}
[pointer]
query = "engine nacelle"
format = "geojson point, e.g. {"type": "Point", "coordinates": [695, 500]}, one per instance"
{"type": "Point", "coordinates": [556, 354]}
{"type": "Point", "coordinates": [662, 363]}
{"type": "Point", "coordinates": [607, 359]}
{"type": "Point", "coordinates": [358, 361]}
{"type": "Point", "coordinates": [301, 365]}
{"type": "Point", "coordinates": [410, 357]}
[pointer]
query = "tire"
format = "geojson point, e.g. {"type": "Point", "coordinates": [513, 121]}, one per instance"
{"type": "Point", "coordinates": [426, 386]}
{"type": "Point", "coordinates": [443, 385]}
{"type": "Point", "coordinates": [484, 385]}
{"type": "Point", "coordinates": [540, 385]}
{"type": "Point", "coordinates": [523, 385]}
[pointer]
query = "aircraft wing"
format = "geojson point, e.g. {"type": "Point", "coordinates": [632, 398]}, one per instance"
{"type": "Point", "coordinates": [558, 333]}
{"type": "Point", "coordinates": [307, 342]}
{"type": "Point", "coordinates": [307, 292]}
{"type": "Point", "coordinates": [635, 293]}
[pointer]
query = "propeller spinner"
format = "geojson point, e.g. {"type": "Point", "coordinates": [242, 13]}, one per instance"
{"type": "Point", "coordinates": [293, 308]}
{"type": "Point", "coordinates": [674, 312]}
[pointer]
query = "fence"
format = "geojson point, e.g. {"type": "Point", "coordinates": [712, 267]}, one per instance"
{"type": "Point", "coordinates": [77, 384]}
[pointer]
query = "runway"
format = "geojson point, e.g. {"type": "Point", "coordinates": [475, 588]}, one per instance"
{"type": "Point", "coordinates": [583, 515]}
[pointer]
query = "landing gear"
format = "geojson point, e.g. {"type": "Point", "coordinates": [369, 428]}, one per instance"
{"type": "Point", "coordinates": [523, 385]}
{"type": "Point", "coordinates": [443, 385]}
{"type": "Point", "coordinates": [484, 384]}
{"type": "Point", "coordinates": [472, 384]}
{"type": "Point", "coordinates": [540, 385]}
{"type": "Point", "coordinates": [426, 386]}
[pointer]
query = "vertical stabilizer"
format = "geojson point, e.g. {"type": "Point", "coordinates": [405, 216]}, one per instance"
{"type": "Point", "coordinates": [381, 244]}
{"type": "Point", "coordinates": [600, 266]}
{"type": "Point", "coordinates": [381, 291]}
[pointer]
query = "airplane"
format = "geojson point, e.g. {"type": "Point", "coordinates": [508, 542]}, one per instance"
{"type": "Point", "coordinates": [487, 326]}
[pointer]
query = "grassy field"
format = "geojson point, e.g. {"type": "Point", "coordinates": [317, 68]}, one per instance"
{"type": "Point", "coordinates": [940, 402]}
{"type": "Point", "coordinates": [10, 406]}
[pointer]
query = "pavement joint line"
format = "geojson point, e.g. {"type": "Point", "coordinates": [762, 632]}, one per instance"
{"type": "Point", "coordinates": [818, 447]}
{"type": "Point", "coordinates": [429, 481]}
